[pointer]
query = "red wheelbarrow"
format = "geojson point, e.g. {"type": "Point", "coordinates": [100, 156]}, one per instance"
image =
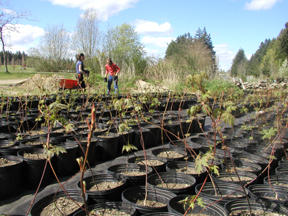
{"type": "Point", "coordinates": [68, 84]}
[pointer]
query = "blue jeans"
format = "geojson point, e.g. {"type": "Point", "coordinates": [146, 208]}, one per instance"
{"type": "Point", "coordinates": [109, 83]}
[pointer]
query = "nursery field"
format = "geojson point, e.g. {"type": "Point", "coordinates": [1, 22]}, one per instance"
{"type": "Point", "coordinates": [221, 151]}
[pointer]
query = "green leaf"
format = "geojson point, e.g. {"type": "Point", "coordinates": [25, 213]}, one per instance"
{"type": "Point", "coordinates": [269, 133]}
{"type": "Point", "coordinates": [215, 169]}
{"type": "Point", "coordinates": [200, 202]}
{"type": "Point", "coordinates": [203, 161]}
{"type": "Point", "coordinates": [128, 148]}
{"type": "Point", "coordinates": [228, 118]}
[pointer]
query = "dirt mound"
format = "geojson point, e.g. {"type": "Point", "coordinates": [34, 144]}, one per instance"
{"type": "Point", "coordinates": [145, 87]}
{"type": "Point", "coordinates": [42, 82]}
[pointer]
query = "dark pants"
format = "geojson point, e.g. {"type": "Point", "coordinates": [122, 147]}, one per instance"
{"type": "Point", "coordinates": [110, 80]}
{"type": "Point", "coordinates": [81, 82]}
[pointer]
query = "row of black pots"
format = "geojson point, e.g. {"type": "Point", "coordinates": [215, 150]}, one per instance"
{"type": "Point", "coordinates": [27, 173]}
{"type": "Point", "coordinates": [16, 103]}
{"type": "Point", "coordinates": [129, 197]}
{"type": "Point", "coordinates": [175, 204]}
{"type": "Point", "coordinates": [11, 177]}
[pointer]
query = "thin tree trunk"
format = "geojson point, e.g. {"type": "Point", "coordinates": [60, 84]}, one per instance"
{"type": "Point", "coordinates": [4, 52]}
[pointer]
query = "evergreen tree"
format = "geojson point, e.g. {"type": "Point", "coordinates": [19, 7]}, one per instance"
{"type": "Point", "coordinates": [239, 64]}
{"type": "Point", "coordinates": [283, 44]}
{"type": "Point", "coordinates": [253, 67]}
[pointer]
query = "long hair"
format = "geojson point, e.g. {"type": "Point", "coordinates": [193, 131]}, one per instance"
{"type": "Point", "coordinates": [78, 56]}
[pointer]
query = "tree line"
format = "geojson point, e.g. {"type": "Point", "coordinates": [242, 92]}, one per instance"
{"type": "Point", "coordinates": [17, 58]}
{"type": "Point", "coordinates": [186, 55]}
{"type": "Point", "coordinates": [270, 60]}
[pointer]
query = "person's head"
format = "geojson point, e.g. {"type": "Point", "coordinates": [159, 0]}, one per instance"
{"type": "Point", "coordinates": [109, 61]}
{"type": "Point", "coordinates": [80, 57]}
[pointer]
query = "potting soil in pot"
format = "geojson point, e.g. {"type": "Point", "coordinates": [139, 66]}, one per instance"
{"type": "Point", "coordinates": [6, 143]}
{"type": "Point", "coordinates": [187, 170]}
{"type": "Point", "coordinates": [4, 162]}
{"type": "Point", "coordinates": [108, 185]}
{"type": "Point", "coordinates": [61, 206]}
{"type": "Point", "coordinates": [107, 212]}
{"type": "Point", "coordinates": [35, 156]}
{"type": "Point", "coordinates": [133, 173]}
{"type": "Point", "coordinates": [173, 185]}
{"type": "Point", "coordinates": [170, 154]}
{"type": "Point", "coordinates": [254, 212]}
{"type": "Point", "coordinates": [150, 162]}
{"type": "Point", "coordinates": [150, 203]}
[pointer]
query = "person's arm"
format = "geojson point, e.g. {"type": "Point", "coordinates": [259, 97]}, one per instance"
{"type": "Point", "coordinates": [80, 68]}
{"type": "Point", "coordinates": [117, 69]}
{"type": "Point", "coordinates": [106, 72]}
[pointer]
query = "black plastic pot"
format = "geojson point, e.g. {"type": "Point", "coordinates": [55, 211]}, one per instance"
{"type": "Point", "coordinates": [109, 145]}
{"type": "Point", "coordinates": [147, 138]}
{"type": "Point", "coordinates": [73, 195]}
{"type": "Point", "coordinates": [113, 194]}
{"type": "Point", "coordinates": [225, 191]}
{"type": "Point", "coordinates": [190, 146]}
{"type": "Point", "coordinates": [7, 147]}
{"type": "Point", "coordinates": [275, 193]}
{"type": "Point", "coordinates": [210, 207]}
{"type": "Point", "coordinates": [131, 195]}
{"type": "Point", "coordinates": [278, 180]}
{"type": "Point", "coordinates": [183, 167]}
{"type": "Point", "coordinates": [5, 136]}
{"type": "Point", "coordinates": [66, 163]}
{"type": "Point", "coordinates": [94, 154]}
{"type": "Point", "coordinates": [252, 158]}
{"type": "Point", "coordinates": [11, 177]}
{"type": "Point", "coordinates": [155, 135]}
{"type": "Point", "coordinates": [201, 140]}
{"type": "Point", "coordinates": [266, 152]}
{"type": "Point", "coordinates": [120, 169]}
{"type": "Point", "coordinates": [258, 207]}
{"type": "Point", "coordinates": [109, 205]}
{"type": "Point", "coordinates": [33, 169]}
{"type": "Point", "coordinates": [166, 178]}
{"type": "Point", "coordinates": [161, 214]}
{"type": "Point", "coordinates": [172, 128]}
{"type": "Point", "coordinates": [242, 166]}
{"type": "Point", "coordinates": [140, 160]}
{"type": "Point", "coordinates": [245, 177]}
{"type": "Point", "coordinates": [180, 153]}
{"type": "Point", "coordinates": [283, 162]}
{"type": "Point", "coordinates": [281, 170]}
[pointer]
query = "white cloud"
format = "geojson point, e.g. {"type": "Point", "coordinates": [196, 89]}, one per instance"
{"type": "Point", "coordinates": [152, 52]}
{"type": "Point", "coordinates": [22, 37]}
{"type": "Point", "coordinates": [224, 55]}
{"type": "Point", "coordinates": [260, 4]}
{"type": "Point", "coordinates": [8, 11]}
{"type": "Point", "coordinates": [145, 26]}
{"type": "Point", "coordinates": [104, 8]}
{"type": "Point", "coordinates": [161, 42]}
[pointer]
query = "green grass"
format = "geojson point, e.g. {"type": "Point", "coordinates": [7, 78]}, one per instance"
{"type": "Point", "coordinates": [8, 76]}
{"type": "Point", "coordinates": [17, 72]}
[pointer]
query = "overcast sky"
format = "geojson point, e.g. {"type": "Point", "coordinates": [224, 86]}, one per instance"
{"type": "Point", "coordinates": [233, 24]}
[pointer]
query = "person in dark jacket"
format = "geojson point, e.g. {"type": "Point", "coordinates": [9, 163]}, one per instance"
{"type": "Point", "coordinates": [80, 70]}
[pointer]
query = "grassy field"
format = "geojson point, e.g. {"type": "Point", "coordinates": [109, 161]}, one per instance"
{"type": "Point", "coordinates": [9, 86]}
{"type": "Point", "coordinates": [17, 72]}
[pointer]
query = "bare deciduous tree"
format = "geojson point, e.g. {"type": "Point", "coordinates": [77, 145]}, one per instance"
{"type": "Point", "coordinates": [87, 34]}
{"type": "Point", "coordinates": [7, 20]}
{"type": "Point", "coordinates": [56, 43]}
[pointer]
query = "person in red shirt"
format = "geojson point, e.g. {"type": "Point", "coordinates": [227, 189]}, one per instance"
{"type": "Point", "coordinates": [111, 75]}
